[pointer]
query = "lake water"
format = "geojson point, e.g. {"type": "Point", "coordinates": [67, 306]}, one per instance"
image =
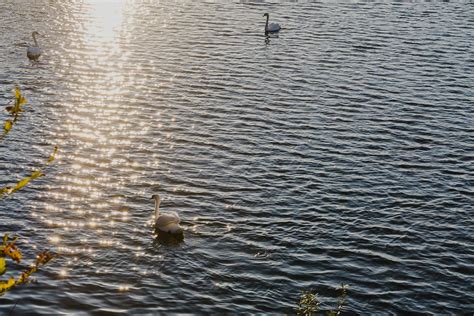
{"type": "Point", "coordinates": [340, 151]}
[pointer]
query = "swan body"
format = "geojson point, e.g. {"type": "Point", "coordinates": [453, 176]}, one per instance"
{"type": "Point", "coordinates": [167, 224]}
{"type": "Point", "coordinates": [272, 27]}
{"type": "Point", "coordinates": [34, 52]}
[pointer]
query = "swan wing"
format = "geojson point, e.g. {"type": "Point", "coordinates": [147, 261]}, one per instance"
{"type": "Point", "coordinates": [168, 222]}
{"type": "Point", "coordinates": [273, 27]}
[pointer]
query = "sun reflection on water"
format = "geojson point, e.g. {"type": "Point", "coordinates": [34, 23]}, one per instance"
{"type": "Point", "coordinates": [105, 20]}
{"type": "Point", "coordinates": [96, 130]}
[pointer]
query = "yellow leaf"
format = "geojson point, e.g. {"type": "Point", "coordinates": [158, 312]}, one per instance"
{"type": "Point", "coordinates": [21, 184]}
{"type": "Point", "coordinates": [19, 101]}
{"type": "Point", "coordinates": [22, 100]}
{"type": "Point", "coordinates": [37, 174]}
{"type": "Point", "coordinates": [5, 190]}
{"type": "Point", "coordinates": [12, 251]}
{"type": "Point", "coordinates": [3, 265]}
{"type": "Point", "coordinates": [8, 126]}
{"type": "Point", "coordinates": [53, 155]}
{"type": "Point", "coordinates": [5, 286]}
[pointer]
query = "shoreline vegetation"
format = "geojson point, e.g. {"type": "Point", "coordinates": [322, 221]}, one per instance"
{"type": "Point", "coordinates": [8, 249]}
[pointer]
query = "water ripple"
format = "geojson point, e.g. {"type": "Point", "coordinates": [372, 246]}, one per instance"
{"type": "Point", "coordinates": [338, 152]}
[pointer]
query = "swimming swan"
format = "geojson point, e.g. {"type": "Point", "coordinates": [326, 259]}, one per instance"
{"type": "Point", "coordinates": [34, 52]}
{"type": "Point", "coordinates": [272, 27]}
{"type": "Point", "coordinates": [167, 224]}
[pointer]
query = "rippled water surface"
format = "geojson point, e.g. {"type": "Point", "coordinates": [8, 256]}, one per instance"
{"type": "Point", "coordinates": [340, 151]}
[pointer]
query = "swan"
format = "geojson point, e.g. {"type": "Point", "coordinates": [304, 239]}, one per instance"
{"type": "Point", "coordinates": [167, 224]}
{"type": "Point", "coordinates": [34, 52]}
{"type": "Point", "coordinates": [272, 27]}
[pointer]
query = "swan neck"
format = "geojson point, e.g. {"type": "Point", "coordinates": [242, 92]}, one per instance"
{"type": "Point", "coordinates": [266, 24]}
{"type": "Point", "coordinates": [34, 40]}
{"type": "Point", "coordinates": [157, 208]}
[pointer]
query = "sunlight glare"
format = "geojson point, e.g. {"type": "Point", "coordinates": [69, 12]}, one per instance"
{"type": "Point", "coordinates": [106, 18]}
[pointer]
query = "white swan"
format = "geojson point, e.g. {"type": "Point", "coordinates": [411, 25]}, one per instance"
{"type": "Point", "coordinates": [167, 224]}
{"type": "Point", "coordinates": [272, 27]}
{"type": "Point", "coordinates": [34, 52]}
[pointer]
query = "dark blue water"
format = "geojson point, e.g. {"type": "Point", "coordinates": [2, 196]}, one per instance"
{"type": "Point", "coordinates": [340, 151]}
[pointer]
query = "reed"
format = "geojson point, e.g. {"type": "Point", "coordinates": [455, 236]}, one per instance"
{"type": "Point", "coordinates": [309, 303]}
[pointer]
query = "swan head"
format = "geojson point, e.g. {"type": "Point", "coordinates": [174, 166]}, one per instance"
{"type": "Point", "coordinates": [265, 14]}
{"type": "Point", "coordinates": [35, 33]}
{"type": "Point", "coordinates": [156, 197]}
